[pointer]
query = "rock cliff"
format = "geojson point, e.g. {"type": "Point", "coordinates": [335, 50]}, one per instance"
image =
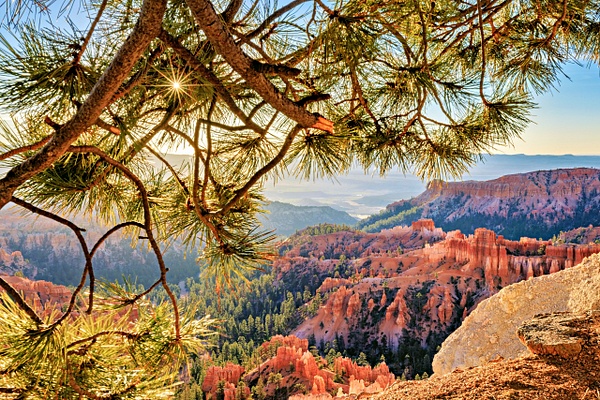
{"type": "Point", "coordinates": [290, 369]}
{"type": "Point", "coordinates": [534, 204]}
{"type": "Point", "coordinates": [399, 299]}
{"type": "Point", "coordinates": [489, 331]}
{"type": "Point", "coordinates": [41, 295]}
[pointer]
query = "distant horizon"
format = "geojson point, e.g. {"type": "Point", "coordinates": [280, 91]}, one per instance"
{"type": "Point", "coordinates": [361, 194]}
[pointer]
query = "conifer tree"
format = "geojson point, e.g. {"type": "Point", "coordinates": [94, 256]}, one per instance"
{"type": "Point", "coordinates": [256, 91]}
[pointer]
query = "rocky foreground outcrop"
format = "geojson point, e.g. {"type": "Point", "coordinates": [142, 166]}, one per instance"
{"type": "Point", "coordinates": [489, 331]}
{"type": "Point", "coordinates": [543, 375]}
{"type": "Point", "coordinates": [556, 334]}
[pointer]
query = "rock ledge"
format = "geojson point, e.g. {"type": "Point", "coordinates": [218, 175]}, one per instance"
{"type": "Point", "coordinates": [553, 334]}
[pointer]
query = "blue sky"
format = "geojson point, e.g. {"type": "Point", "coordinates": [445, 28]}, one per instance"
{"type": "Point", "coordinates": [567, 120]}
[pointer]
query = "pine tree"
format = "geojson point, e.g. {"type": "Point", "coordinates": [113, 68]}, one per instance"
{"type": "Point", "coordinates": [255, 91]}
{"type": "Point", "coordinates": [362, 359]}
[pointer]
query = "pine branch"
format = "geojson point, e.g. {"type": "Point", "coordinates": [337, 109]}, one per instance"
{"type": "Point", "coordinates": [23, 149]}
{"type": "Point", "coordinates": [231, 10]}
{"type": "Point", "coordinates": [99, 122]}
{"type": "Point", "coordinates": [139, 76]}
{"type": "Point", "coordinates": [207, 75]}
{"type": "Point", "coordinates": [288, 7]}
{"type": "Point", "coordinates": [102, 240]}
{"type": "Point", "coordinates": [223, 42]}
{"type": "Point", "coordinates": [263, 171]}
{"type": "Point", "coordinates": [87, 38]}
{"type": "Point", "coordinates": [197, 149]}
{"type": "Point", "coordinates": [145, 30]}
{"type": "Point", "coordinates": [209, 150]}
{"type": "Point", "coordinates": [171, 169]}
{"type": "Point", "coordinates": [483, 60]}
{"type": "Point", "coordinates": [275, 69]}
{"type": "Point", "coordinates": [127, 335]}
{"type": "Point", "coordinates": [147, 222]}
{"type": "Point", "coordinates": [85, 393]}
{"type": "Point", "coordinates": [110, 232]}
{"type": "Point", "coordinates": [361, 98]}
{"type": "Point", "coordinates": [88, 270]}
{"type": "Point", "coordinates": [17, 298]}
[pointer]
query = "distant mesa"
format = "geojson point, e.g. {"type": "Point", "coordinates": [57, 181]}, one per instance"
{"type": "Point", "coordinates": [536, 204]}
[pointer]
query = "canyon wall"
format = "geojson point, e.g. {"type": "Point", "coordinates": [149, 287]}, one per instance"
{"type": "Point", "coordinates": [535, 204]}
{"type": "Point", "coordinates": [490, 330]}
{"type": "Point", "coordinates": [424, 293]}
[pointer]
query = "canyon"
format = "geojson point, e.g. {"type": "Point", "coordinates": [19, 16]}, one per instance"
{"type": "Point", "coordinates": [394, 295]}
{"type": "Point", "coordinates": [410, 286]}
{"type": "Point", "coordinates": [385, 294]}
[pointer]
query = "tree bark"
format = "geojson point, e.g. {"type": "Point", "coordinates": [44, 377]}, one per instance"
{"type": "Point", "coordinates": [223, 42]}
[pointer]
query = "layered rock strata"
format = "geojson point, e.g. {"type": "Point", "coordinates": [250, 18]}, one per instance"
{"type": "Point", "coordinates": [539, 203]}
{"type": "Point", "coordinates": [489, 331]}
{"type": "Point", "coordinates": [426, 291]}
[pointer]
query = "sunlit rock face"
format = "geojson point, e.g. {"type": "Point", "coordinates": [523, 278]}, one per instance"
{"type": "Point", "coordinates": [417, 293]}
{"type": "Point", "coordinates": [536, 204]}
{"type": "Point", "coordinates": [490, 330]}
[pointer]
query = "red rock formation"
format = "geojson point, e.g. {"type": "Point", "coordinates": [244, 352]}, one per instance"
{"type": "Point", "coordinates": [356, 244]}
{"type": "Point", "coordinates": [345, 367]}
{"type": "Point", "coordinates": [230, 374]}
{"type": "Point", "coordinates": [286, 341]}
{"type": "Point", "coordinates": [41, 295]}
{"type": "Point", "coordinates": [561, 185]}
{"type": "Point", "coordinates": [14, 257]}
{"type": "Point", "coordinates": [423, 224]}
{"type": "Point", "coordinates": [461, 271]}
{"type": "Point", "coordinates": [330, 283]}
{"type": "Point", "coordinates": [298, 366]}
{"type": "Point", "coordinates": [446, 308]}
{"type": "Point", "coordinates": [546, 197]}
{"type": "Point", "coordinates": [583, 235]}
{"type": "Point", "coordinates": [354, 305]}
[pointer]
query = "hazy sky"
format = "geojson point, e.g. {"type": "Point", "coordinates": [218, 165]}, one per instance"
{"type": "Point", "coordinates": [567, 121]}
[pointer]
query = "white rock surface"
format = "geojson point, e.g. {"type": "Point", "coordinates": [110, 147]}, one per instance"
{"type": "Point", "coordinates": [490, 330]}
